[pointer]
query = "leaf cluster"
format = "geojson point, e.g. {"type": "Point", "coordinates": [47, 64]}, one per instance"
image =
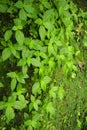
{"type": "Point", "coordinates": [40, 45]}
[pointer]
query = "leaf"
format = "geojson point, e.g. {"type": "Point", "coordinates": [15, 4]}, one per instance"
{"type": "Point", "coordinates": [20, 78]}
{"type": "Point", "coordinates": [36, 104]}
{"type": "Point", "coordinates": [3, 8]}
{"type": "Point", "coordinates": [30, 127]}
{"type": "Point", "coordinates": [6, 54]}
{"type": "Point", "coordinates": [21, 98]}
{"type": "Point", "coordinates": [43, 55]}
{"type": "Point", "coordinates": [48, 25]}
{"type": "Point", "coordinates": [38, 21]}
{"type": "Point", "coordinates": [21, 62]}
{"type": "Point", "coordinates": [35, 62]}
{"type": "Point", "coordinates": [52, 91]}
{"type": "Point", "coordinates": [21, 103]}
{"type": "Point", "coordinates": [50, 108]}
{"type": "Point", "coordinates": [12, 74]}
{"type": "Point", "coordinates": [1, 85]}
{"type": "Point", "coordinates": [19, 24]}
{"type": "Point", "coordinates": [79, 123]}
{"type": "Point", "coordinates": [2, 105]}
{"type": "Point", "coordinates": [19, 37]}
{"type": "Point", "coordinates": [48, 14]}
{"type": "Point", "coordinates": [14, 52]}
{"type": "Point", "coordinates": [19, 4]}
{"type": "Point", "coordinates": [18, 105]}
{"type": "Point", "coordinates": [8, 35]}
{"type": "Point", "coordinates": [36, 88]}
{"type": "Point", "coordinates": [28, 123]}
{"type": "Point", "coordinates": [24, 69]}
{"type": "Point", "coordinates": [12, 99]}
{"type": "Point", "coordinates": [22, 15]}
{"type": "Point", "coordinates": [47, 79]}
{"type": "Point", "coordinates": [13, 128]}
{"type": "Point", "coordinates": [42, 32]}
{"type": "Point", "coordinates": [13, 84]}
{"type": "Point", "coordinates": [43, 85]}
{"type": "Point", "coordinates": [20, 90]}
{"type": "Point", "coordinates": [9, 114]}
{"type": "Point", "coordinates": [61, 93]}
{"type": "Point", "coordinates": [26, 116]}
{"type": "Point", "coordinates": [48, 6]}
{"type": "Point", "coordinates": [29, 9]}
{"type": "Point", "coordinates": [51, 49]}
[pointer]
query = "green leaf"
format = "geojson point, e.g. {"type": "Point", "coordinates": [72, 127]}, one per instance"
{"type": "Point", "coordinates": [36, 88]}
{"type": "Point", "coordinates": [44, 82]}
{"type": "Point", "coordinates": [30, 127]}
{"type": "Point", "coordinates": [11, 99]}
{"type": "Point", "coordinates": [29, 9]}
{"type": "Point", "coordinates": [8, 35]}
{"type": "Point", "coordinates": [43, 55]}
{"type": "Point", "coordinates": [1, 85]}
{"type": "Point", "coordinates": [61, 93]}
{"type": "Point", "coordinates": [48, 14]}
{"type": "Point", "coordinates": [18, 23]}
{"type": "Point", "coordinates": [47, 79]}
{"type": "Point", "coordinates": [43, 85]}
{"type": "Point", "coordinates": [28, 123]}
{"type": "Point", "coordinates": [12, 74]}
{"type": "Point", "coordinates": [35, 62]}
{"type": "Point", "coordinates": [51, 49]}
{"type": "Point", "coordinates": [13, 128]}
{"type": "Point", "coordinates": [3, 8]}
{"type": "Point", "coordinates": [24, 69]}
{"type": "Point", "coordinates": [13, 84]}
{"type": "Point", "coordinates": [20, 78]}
{"type": "Point", "coordinates": [2, 105]}
{"type": "Point", "coordinates": [48, 25]}
{"type": "Point", "coordinates": [15, 28]}
{"type": "Point", "coordinates": [18, 105]}
{"type": "Point", "coordinates": [38, 21]}
{"type": "Point", "coordinates": [48, 6]}
{"type": "Point", "coordinates": [42, 32]}
{"type": "Point", "coordinates": [21, 62]}
{"type": "Point", "coordinates": [36, 104]}
{"type": "Point", "coordinates": [20, 90]}
{"type": "Point", "coordinates": [50, 108]}
{"type": "Point", "coordinates": [79, 123]}
{"type": "Point", "coordinates": [19, 37]}
{"type": "Point", "coordinates": [32, 98]}
{"type": "Point", "coordinates": [9, 114]}
{"type": "Point", "coordinates": [14, 52]}
{"type": "Point", "coordinates": [6, 54]}
{"type": "Point", "coordinates": [19, 4]}
{"type": "Point", "coordinates": [21, 97]}
{"type": "Point", "coordinates": [22, 15]}
{"type": "Point", "coordinates": [21, 103]}
{"type": "Point", "coordinates": [52, 91]}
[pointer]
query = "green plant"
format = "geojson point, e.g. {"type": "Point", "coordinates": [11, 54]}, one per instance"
{"type": "Point", "coordinates": [39, 52]}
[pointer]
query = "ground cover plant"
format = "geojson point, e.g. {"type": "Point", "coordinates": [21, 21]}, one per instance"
{"type": "Point", "coordinates": [43, 71]}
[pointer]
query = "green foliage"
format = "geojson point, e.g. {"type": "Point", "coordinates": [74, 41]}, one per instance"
{"type": "Point", "coordinates": [42, 44]}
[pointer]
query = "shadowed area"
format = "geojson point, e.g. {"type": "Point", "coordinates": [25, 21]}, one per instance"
{"type": "Point", "coordinates": [81, 4]}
